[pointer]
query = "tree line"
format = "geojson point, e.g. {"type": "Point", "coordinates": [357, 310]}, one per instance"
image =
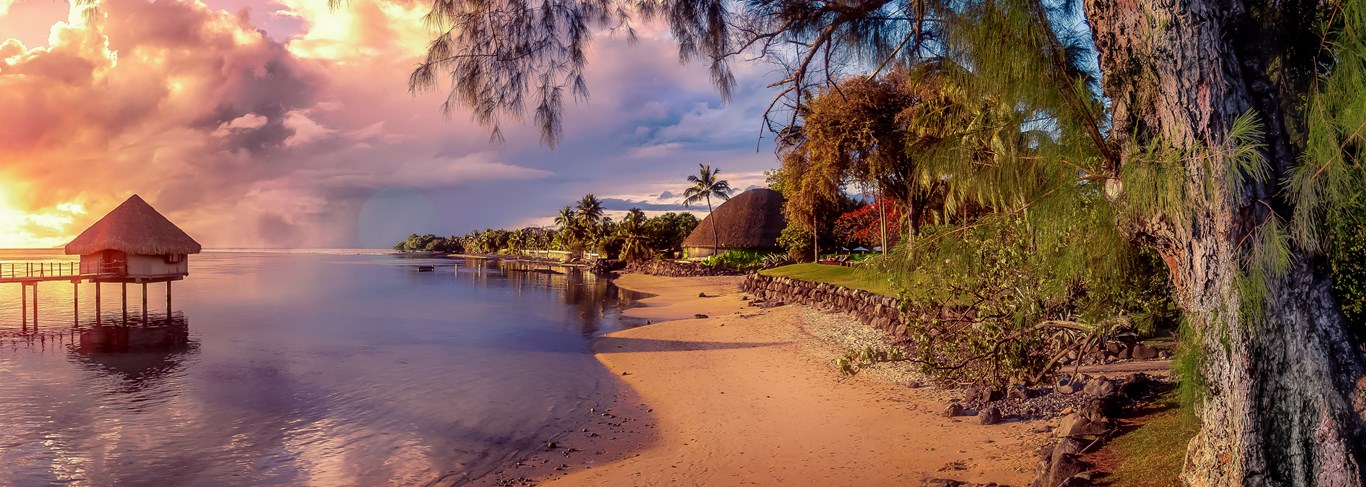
{"type": "Point", "coordinates": [578, 229]}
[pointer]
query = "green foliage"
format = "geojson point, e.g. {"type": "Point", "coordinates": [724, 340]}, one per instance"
{"type": "Point", "coordinates": [985, 302]}
{"type": "Point", "coordinates": [741, 260]}
{"type": "Point", "coordinates": [666, 232]}
{"type": "Point", "coordinates": [1329, 186]}
{"type": "Point", "coordinates": [1188, 365]}
{"type": "Point", "coordinates": [1348, 258]}
{"type": "Point", "coordinates": [797, 243]}
{"type": "Point", "coordinates": [854, 360]}
{"type": "Point", "coordinates": [430, 243]}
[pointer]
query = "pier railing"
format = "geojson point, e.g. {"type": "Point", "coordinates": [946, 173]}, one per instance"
{"type": "Point", "coordinates": [41, 270]}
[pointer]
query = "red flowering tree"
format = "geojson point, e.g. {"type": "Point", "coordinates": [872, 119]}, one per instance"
{"type": "Point", "coordinates": [862, 227]}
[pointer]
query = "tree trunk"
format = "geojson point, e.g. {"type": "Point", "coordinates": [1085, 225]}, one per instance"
{"type": "Point", "coordinates": [1281, 403]}
{"type": "Point", "coordinates": [715, 239]}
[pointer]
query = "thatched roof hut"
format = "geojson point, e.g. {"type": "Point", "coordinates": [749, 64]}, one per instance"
{"type": "Point", "coordinates": [134, 243]}
{"type": "Point", "coordinates": [752, 220]}
{"type": "Point", "coordinates": [134, 228]}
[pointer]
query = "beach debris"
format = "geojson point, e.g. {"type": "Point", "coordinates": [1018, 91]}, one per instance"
{"type": "Point", "coordinates": [954, 409]}
{"type": "Point", "coordinates": [625, 373]}
{"type": "Point", "coordinates": [703, 295]}
{"type": "Point", "coordinates": [551, 445]}
{"type": "Point", "coordinates": [700, 316]}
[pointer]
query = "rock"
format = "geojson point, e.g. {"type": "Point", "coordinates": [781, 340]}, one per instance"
{"type": "Point", "coordinates": [989, 416]}
{"type": "Point", "coordinates": [1144, 352]}
{"type": "Point", "coordinates": [551, 446]}
{"type": "Point", "coordinates": [1113, 348]}
{"type": "Point", "coordinates": [1061, 464]}
{"type": "Point", "coordinates": [954, 409]}
{"type": "Point", "coordinates": [1065, 385]}
{"type": "Point", "coordinates": [1017, 393]}
{"type": "Point", "coordinates": [1100, 387]}
{"type": "Point", "coordinates": [1075, 425]}
{"type": "Point", "coordinates": [942, 483]}
{"type": "Point", "coordinates": [980, 394]}
{"type": "Point", "coordinates": [699, 316]}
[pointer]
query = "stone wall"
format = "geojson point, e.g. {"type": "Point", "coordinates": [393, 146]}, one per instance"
{"type": "Point", "coordinates": [876, 310]}
{"type": "Point", "coordinates": [677, 268]}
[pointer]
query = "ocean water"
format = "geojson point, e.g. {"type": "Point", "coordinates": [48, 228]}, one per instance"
{"type": "Point", "coordinates": [299, 368]}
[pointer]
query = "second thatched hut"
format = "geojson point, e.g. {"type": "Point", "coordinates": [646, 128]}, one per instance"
{"type": "Point", "coordinates": [752, 220]}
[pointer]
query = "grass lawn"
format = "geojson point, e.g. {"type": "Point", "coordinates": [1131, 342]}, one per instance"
{"type": "Point", "coordinates": [1152, 453]}
{"type": "Point", "coordinates": [851, 277]}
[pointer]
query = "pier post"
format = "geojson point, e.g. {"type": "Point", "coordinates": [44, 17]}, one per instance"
{"type": "Point", "coordinates": [97, 302]}
{"type": "Point", "coordinates": [35, 306]}
{"type": "Point", "coordinates": [144, 303]}
{"type": "Point", "coordinates": [125, 303]}
{"type": "Point", "coordinates": [168, 302]}
{"type": "Point", "coordinates": [23, 303]}
{"type": "Point", "coordinates": [75, 303]}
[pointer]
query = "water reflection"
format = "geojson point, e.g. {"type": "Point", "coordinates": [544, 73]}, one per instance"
{"type": "Point", "coordinates": [596, 302]}
{"type": "Point", "coordinates": [138, 357]}
{"type": "Point", "coordinates": [305, 369]}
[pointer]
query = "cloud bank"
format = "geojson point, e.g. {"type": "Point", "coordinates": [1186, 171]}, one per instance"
{"type": "Point", "coordinates": [252, 138]}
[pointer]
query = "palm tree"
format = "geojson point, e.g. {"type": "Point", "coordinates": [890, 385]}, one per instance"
{"type": "Point", "coordinates": [633, 236]}
{"type": "Point", "coordinates": [704, 186]}
{"type": "Point", "coordinates": [565, 217]}
{"type": "Point", "coordinates": [590, 210]}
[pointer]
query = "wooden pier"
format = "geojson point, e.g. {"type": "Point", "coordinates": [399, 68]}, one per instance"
{"type": "Point", "coordinates": [29, 274]}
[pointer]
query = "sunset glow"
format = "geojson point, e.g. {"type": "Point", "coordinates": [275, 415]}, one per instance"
{"type": "Point", "coordinates": [46, 227]}
{"type": "Point", "coordinates": [271, 123]}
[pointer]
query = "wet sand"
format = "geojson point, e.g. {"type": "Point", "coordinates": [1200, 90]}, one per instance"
{"type": "Point", "coordinates": [749, 397]}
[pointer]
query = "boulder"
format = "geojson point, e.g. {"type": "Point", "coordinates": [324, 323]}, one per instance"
{"type": "Point", "coordinates": [980, 394]}
{"type": "Point", "coordinates": [1075, 425]}
{"type": "Point", "coordinates": [1061, 464]}
{"type": "Point", "coordinates": [954, 409]}
{"type": "Point", "coordinates": [989, 416]}
{"type": "Point", "coordinates": [1100, 387]}
{"type": "Point", "coordinates": [1065, 385]}
{"type": "Point", "coordinates": [1144, 352]}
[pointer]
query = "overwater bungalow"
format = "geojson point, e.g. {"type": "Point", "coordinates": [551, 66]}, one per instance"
{"type": "Point", "coordinates": [134, 244]}
{"type": "Point", "coordinates": [751, 220]}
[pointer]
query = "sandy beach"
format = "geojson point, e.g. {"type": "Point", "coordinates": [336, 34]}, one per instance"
{"type": "Point", "coordinates": [751, 397]}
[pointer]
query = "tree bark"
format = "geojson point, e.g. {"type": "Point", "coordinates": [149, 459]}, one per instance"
{"type": "Point", "coordinates": [1282, 406]}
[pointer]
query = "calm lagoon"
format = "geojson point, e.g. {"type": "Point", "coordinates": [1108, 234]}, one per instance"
{"type": "Point", "coordinates": [304, 368]}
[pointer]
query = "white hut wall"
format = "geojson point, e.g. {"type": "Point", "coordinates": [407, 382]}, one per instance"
{"type": "Point", "coordinates": [156, 265]}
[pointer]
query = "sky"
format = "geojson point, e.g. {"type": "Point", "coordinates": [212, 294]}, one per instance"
{"type": "Point", "coordinates": [288, 124]}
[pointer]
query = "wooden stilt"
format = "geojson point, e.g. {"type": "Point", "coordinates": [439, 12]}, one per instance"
{"type": "Point", "coordinates": [35, 306]}
{"type": "Point", "coordinates": [23, 304]}
{"type": "Point", "coordinates": [125, 303]}
{"type": "Point", "coordinates": [144, 304]}
{"type": "Point", "coordinates": [75, 303]}
{"type": "Point", "coordinates": [168, 302]}
{"type": "Point", "coordinates": [97, 302]}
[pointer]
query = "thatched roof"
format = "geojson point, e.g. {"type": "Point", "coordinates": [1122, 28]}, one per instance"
{"type": "Point", "coordinates": [750, 220]}
{"type": "Point", "coordinates": [134, 228]}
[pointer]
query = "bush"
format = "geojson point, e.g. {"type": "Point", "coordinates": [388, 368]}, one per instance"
{"type": "Point", "coordinates": [998, 301]}
{"type": "Point", "coordinates": [796, 242]}
{"type": "Point", "coordinates": [741, 260]}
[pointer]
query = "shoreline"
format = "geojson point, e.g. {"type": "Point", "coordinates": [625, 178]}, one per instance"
{"type": "Point", "coordinates": [751, 395]}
